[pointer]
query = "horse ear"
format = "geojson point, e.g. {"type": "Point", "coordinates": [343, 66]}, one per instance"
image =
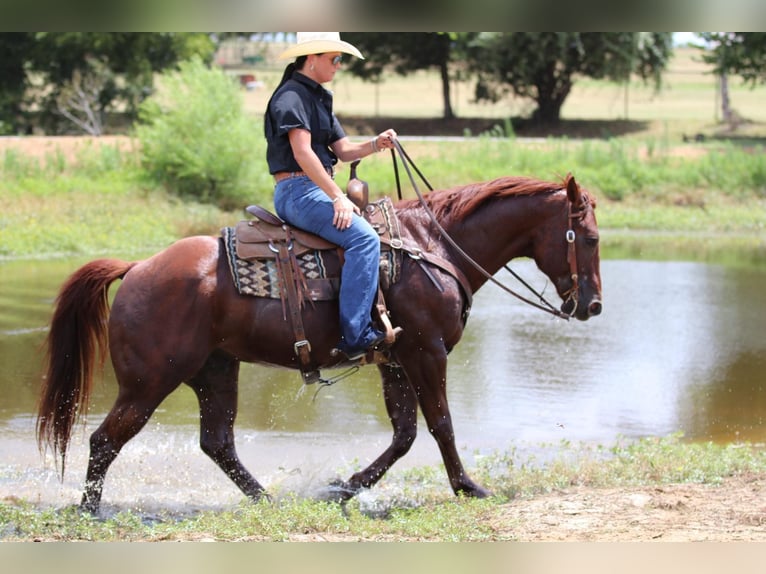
{"type": "Point", "coordinates": [573, 190]}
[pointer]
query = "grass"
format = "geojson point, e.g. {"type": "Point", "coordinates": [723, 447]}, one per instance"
{"type": "Point", "coordinates": [102, 203]}
{"type": "Point", "coordinates": [410, 505]}
{"type": "Point", "coordinates": [95, 202]}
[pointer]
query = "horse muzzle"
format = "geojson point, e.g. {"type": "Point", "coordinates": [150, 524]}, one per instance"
{"type": "Point", "coordinates": [581, 311]}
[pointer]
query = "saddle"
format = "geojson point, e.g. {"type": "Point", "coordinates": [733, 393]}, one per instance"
{"type": "Point", "coordinates": [259, 238]}
{"type": "Point", "coordinates": [268, 238]}
{"type": "Point", "coordinates": [282, 252]}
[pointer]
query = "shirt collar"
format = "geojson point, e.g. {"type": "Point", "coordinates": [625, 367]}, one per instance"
{"type": "Point", "coordinates": [304, 79]}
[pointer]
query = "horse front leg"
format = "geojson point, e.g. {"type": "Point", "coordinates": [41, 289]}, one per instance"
{"type": "Point", "coordinates": [402, 407]}
{"type": "Point", "coordinates": [428, 374]}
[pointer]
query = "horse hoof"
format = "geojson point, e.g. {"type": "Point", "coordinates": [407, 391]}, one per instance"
{"type": "Point", "coordinates": [337, 491]}
{"type": "Point", "coordinates": [90, 508]}
{"type": "Point", "coordinates": [261, 496]}
{"type": "Point", "coordinates": [480, 492]}
{"type": "Point", "coordinates": [474, 491]}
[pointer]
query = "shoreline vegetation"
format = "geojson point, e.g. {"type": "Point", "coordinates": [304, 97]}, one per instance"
{"type": "Point", "coordinates": [89, 196]}
{"type": "Point", "coordinates": [672, 181]}
{"type": "Point", "coordinates": [415, 506]}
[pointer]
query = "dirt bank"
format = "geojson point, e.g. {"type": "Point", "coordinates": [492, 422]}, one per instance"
{"type": "Point", "coordinates": [734, 510]}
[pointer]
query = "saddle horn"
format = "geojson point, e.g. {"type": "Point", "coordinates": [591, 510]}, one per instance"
{"type": "Point", "coordinates": [357, 190]}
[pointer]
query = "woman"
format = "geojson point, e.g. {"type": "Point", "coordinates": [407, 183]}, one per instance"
{"type": "Point", "coordinates": [305, 140]}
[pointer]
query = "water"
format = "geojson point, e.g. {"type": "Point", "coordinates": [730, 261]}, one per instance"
{"type": "Point", "coordinates": [678, 348]}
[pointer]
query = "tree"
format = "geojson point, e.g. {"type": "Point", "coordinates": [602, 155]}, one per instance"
{"type": "Point", "coordinates": [740, 53]}
{"type": "Point", "coordinates": [14, 47]}
{"type": "Point", "coordinates": [46, 68]}
{"type": "Point", "coordinates": [543, 65]}
{"type": "Point", "coordinates": [406, 52]}
{"type": "Point", "coordinates": [197, 140]}
{"type": "Point", "coordinates": [80, 98]}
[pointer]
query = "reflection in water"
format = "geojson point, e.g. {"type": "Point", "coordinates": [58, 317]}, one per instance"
{"type": "Point", "coordinates": [679, 347]}
{"type": "Point", "coordinates": [731, 407]}
{"type": "Point", "coordinates": [728, 403]}
{"type": "Point", "coordinates": [673, 340]}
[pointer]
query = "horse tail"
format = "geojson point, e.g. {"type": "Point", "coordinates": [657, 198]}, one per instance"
{"type": "Point", "coordinates": [77, 332]}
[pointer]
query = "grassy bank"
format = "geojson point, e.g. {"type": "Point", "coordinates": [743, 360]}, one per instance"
{"type": "Point", "coordinates": [97, 201]}
{"type": "Point", "coordinates": [420, 509]}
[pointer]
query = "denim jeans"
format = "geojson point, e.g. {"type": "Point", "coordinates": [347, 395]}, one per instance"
{"type": "Point", "coordinates": [302, 203]}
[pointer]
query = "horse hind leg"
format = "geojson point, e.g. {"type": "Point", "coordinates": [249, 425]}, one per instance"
{"type": "Point", "coordinates": [127, 417]}
{"type": "Point", "coordinates": [216, 388]}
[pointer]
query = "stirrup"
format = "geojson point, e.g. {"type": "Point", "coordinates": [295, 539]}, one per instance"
{"type": "Point", "coordinates": [391, 332]}
{"type": "Point", "coordinates": [311, 377]}
{"type": "Point", "coordinates": [394, 334]}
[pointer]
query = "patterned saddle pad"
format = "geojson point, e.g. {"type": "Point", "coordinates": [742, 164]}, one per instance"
{"type": "Point", "coordinates": [260, 278]}
{"type": "Point", "coordinates": [320, 268]}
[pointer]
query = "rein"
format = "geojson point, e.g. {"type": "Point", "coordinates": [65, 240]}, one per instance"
{"type": "Point", "coordinates": [544, 304]}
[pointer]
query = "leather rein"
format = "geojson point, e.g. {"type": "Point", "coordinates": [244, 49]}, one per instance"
{"type": "Point", "coordinates": [544, 304]}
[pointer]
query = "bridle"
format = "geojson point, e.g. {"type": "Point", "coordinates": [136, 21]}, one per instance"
{"type": "Point", "coordinates": [544, 304]}
{"type": "Point", "coordinates": [573, 293]}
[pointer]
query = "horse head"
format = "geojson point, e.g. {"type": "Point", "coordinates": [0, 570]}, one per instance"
{"type": "Point", "coordinates": [567, 250]}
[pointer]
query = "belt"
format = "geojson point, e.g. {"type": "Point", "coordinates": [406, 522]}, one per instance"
{"type": "Point", "coordinates": [280, 175]}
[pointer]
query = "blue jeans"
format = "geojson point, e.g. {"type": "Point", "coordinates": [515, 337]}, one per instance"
{"type": "Point", "coordinates": [302, 203]}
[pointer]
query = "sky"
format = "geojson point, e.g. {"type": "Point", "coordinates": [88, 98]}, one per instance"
{"type": "Point", "coordinates": [680, 38]}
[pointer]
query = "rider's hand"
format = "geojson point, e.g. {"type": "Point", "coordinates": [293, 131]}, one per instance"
{"type": "Point", "coordinates": [385, 140]}
{"type": "Point", "coordinates": [344, 212]}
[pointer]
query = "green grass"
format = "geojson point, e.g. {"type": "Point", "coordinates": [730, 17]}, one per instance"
{"type": "Point", "coordinates": [97, 203]}
{"type": "Point", "coordinates": [657, 197]}
{"type": "Point", "coordinates": [408, 505]}
{"type": "Point", "coordinates": [102, 203]}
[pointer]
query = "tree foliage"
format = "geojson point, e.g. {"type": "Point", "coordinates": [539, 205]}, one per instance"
{"type": "Point", "coordinates": [740, 53]}
{"type": "Point", "coordinates": [45, 67]}
{"type": "Point", "coordinates": [14, 47]}
{"type": "Point", "coordinates": [543, 66]}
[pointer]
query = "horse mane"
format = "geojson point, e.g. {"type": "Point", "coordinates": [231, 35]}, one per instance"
{"type": "Point", "coordinates": [460, 201]}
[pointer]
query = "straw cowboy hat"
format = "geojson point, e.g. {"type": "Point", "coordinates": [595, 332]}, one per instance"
{"type": "Point", "coordinates": [319, 43]}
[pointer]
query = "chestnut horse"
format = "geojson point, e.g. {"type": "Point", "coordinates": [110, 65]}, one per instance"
{"type": "Point", "coordinates": [177, 318]}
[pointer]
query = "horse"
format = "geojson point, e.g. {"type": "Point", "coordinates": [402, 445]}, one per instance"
{"type": "Point", "coordinates": [177, 318]}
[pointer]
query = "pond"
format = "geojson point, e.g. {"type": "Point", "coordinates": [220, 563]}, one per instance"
{"type": "Point", "coordinates": [679, 347]}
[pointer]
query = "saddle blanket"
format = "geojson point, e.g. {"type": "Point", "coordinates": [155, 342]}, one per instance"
{"type": "Point", "coordinates": [260, 278]}
{"type": "Point", "coordinates": [321, 268]}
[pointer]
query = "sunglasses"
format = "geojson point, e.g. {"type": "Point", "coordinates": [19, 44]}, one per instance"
{"type": "Point", "coordinates": [337, 60]}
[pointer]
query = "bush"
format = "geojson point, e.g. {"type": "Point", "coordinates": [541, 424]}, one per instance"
{"type": "Point", "coordinates": [197, 141]}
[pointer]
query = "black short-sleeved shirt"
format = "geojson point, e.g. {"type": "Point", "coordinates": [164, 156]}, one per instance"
{"type": "Point", "coordinates": [300, 103]}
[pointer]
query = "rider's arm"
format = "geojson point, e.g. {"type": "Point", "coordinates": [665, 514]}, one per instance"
{"type": "Point", "coordinates": [348, 151]}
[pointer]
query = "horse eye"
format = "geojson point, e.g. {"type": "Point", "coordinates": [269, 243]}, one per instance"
{"type": "Point", "coordinates": [591, 241]}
